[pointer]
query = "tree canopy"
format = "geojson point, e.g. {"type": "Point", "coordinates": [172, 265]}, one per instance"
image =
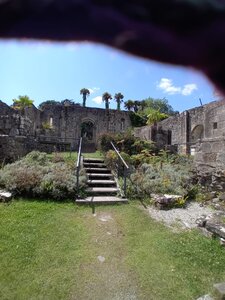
{"type": "Point", "coordinates": [48, 102]}
{"type": "Point", "coordinates": [22, 102]}
{"type": "Point", "coordinates": [149, 111]}
{"type": "Point", "coordinates": [85, 92]}
{"type": "Point", "coordinates": [119, 99]}
{"type": "Point", "coordinates": [106, 97]}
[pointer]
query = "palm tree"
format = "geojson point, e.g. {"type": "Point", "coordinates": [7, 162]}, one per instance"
{"type": "Point", "coordinates": [155, 116]}
{"type": "Point", "coordinates": [22, 102]}
{"type": "Point", "coordinates": [85, 92]}
{"type": "Point", "coordinates": [106, 97]}
{"type": "Point", "coordinates": [119, 99]}
{"type": "Point", "coordinates": [129, 105]}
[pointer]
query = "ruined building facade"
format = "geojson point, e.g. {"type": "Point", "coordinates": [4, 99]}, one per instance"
{"type": "Point", "coordinates": [55, 127]}
{"type": "Point", "coordinates": [199, 132]}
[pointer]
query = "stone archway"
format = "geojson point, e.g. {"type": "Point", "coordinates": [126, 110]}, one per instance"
{"type": "Point", "coordinates": [197, 133]}
{"type": "Point", "coordinates": [88, 133]}
{"type": "Point", "coordinates": [87, 130]}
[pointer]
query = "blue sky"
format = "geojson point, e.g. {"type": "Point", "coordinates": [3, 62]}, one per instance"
{"type": "Point", "coordinates": [57, 71]}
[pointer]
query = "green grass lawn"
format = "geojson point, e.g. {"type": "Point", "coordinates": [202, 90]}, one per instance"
{"type": "Point", "coordinates": [48, 250]}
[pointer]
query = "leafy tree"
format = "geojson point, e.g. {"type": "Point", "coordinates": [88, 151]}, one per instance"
{"type": "Point", "coordinates": [160, 105]}
{"type": "Point", "coordinates": [48, 102]}
{"type": "Point", "coordinates": [129, 105]}
{"type": "Point", "coordinates": [22, 102]}
{"type": "Point", "coordinates": [149, 111]}
{"type": "Point", "coordinates": [106, 97]}
{"type": "Point", "coordinates": [137, 120]}
{"type": "Point", "coordinates": [119, 99]}
{"type": "Point", "coordinates": [155, 116]}
{"type": "Point", "coordinates": [137, 105]}
{"type": "Point", "coordinates": [85, 92]}
{"type": "Point", "coordinates": [67, 102]}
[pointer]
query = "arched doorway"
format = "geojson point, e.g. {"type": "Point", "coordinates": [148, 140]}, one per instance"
{"type": "Point", "coordinates": [197, 133]}
{"type": "Point", "coordinates": [196, 136]}
{"type": "Point", "coordinates": [88, 134]}
{"type": "Point", "coordinates": [87, 130]}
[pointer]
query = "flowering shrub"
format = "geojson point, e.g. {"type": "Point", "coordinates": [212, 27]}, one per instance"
{"type": "Point", "coordinates": [37, 175]}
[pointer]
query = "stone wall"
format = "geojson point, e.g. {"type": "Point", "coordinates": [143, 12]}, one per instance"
{"type": "Point", "coordinates": [200, 132]}
{"type": "Point", "coordinates": [56, 127]}
{"type": "Point", "coordinates": [12, 148]}
{"type": "Point", "coordinates": [67, 122]}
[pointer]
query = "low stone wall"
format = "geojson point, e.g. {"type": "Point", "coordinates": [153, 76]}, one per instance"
{"type": "Point", "coordinates": [12, 148]}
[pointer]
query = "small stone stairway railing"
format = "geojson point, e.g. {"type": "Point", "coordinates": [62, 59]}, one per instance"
{"type": "Point", "coordinates": [102, 187]}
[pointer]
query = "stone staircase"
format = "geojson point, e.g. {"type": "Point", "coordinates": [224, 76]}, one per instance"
{"type": "Point", "coordinates": [102, 187]}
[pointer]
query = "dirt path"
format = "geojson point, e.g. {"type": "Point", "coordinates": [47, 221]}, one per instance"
{"type": "Point", "coordinates": [107, 277]}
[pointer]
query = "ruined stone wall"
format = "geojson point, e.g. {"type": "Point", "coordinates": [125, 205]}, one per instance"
{"type": "Point", "coordinates": [199, 131]}
{"type": "Point", "coordinates": [12, 123]}
{"type": "Point", "coordinates": [12, 148]}
{"type": "Point", "coordinates": [67, 121]}
{"type": "Point", "coordinates": [55, 127]}
{"type": "Point", "coordinates": [33, 114]}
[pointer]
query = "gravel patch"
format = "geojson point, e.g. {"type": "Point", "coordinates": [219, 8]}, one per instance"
{"type": "Point", "coordinates": [181, 218]}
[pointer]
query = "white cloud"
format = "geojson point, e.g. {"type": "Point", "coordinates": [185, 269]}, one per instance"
{"type": "Point", "coordinates": [189, 88]}
{"type": "Point", "coordinates": [97, 99]}
{"type": "Point", "coordinates": [167, 86]}
{"type": "Point", "coordinates": [93, 90]}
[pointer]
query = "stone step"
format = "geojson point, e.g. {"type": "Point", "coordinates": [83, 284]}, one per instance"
{"type": "Point", "coordinates": [98, 170]}
{"type": "Point", "coordinates": [94, 165]}
{"type": "Point", "coordinates": [102, 199]}
{"type": "Point", "coordinates": [102, 190]}
{"type": "Point", "coordinates": [103, 182]}
{"type": "Point", "coordinates": [99, 175]}
{"type": "Point", "coordinates": [93, 160]}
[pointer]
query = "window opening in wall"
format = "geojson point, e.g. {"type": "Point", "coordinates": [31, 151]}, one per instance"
{"type": "Point", "coordinates": [193, 151]}
{"type": "Point", "coordinates": [169, 141]}
{"type": "Point", "coordinates": [51, 122]}
{"type": "Point", "coordinates": [87, 130]}
{"type": "Point", "coordinates": [215, 125]}
{"type": "Point", "coordinates": [122, 124]}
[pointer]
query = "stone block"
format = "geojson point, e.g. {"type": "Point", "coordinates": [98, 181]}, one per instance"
{"type": "Point", "coordinates": [220, 290]}
{"type": "Point", "coordinates": [205, 232]}
{"type": "Point", "coordinates": [5, 196]}
{"type": "Point", "coordinates": [205, 297]}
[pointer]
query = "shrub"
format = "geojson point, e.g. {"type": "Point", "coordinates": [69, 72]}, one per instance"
{"type": "Point", "coordinates": [161, 179]}
{"type": "Point", "coordinates": [104, 144]}
{"type": "Point", "coordinates": [37, 175]}
{"type": "Point", "coordinates": [125, 142]}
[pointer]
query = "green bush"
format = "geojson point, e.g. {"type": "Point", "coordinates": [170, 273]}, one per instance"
{"type": "Point", "coordinates": [36, 175]}
{"type": "Point", "coordinates": [160, 178]}
{"type": "Point", "coordinates": [125, 142]}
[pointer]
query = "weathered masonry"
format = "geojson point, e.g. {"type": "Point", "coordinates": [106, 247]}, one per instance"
{"type": "Point", "coordinates": [55, 127]}
{"type": "Point", "coordinates": [199, 131]}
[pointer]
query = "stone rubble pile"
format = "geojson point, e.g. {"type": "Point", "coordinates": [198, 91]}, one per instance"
{"type": "Point", "coordinates": [213, 225]}
{"type": "Point", "coordinates": [165, 201]}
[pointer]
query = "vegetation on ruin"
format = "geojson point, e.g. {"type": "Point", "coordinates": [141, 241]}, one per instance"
{"type": "Point", "coordinates": [148, 111]}
{"type": "Point", "coordinates": [49, 250]}
{"type": "Point", "coordinates": [152, 171]}
{"type": "Point", "coordinates": [22, 102]}
{"type": "Point", "coordinates": [39, 175]}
